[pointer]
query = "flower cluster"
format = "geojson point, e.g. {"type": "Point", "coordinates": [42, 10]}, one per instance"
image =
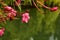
{"type": "Point", "coordinates": [11, 11]}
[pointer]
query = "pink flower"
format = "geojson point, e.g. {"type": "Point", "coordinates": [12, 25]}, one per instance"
{"type": "Point", "coordinates": [54, 8]}
{"type": "Point", "coordinates": [2, 31]}
{"type": "Point", "coordinates": [25, 17]}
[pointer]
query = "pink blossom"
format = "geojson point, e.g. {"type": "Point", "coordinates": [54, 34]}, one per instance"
{"type": "Point", "coordinates": [25, 17]}
{"type": "Point", "coordinates": [54, 8]}
{"type": "Point", "coordinates": [2, 31]}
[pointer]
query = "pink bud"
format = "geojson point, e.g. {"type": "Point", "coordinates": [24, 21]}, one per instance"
{"type": "Point", "coordinates": [54, 8]}
{"type": "Point", "coordinates": [2, 31]}
{"type": "Point", "coordinates": [25, 17]}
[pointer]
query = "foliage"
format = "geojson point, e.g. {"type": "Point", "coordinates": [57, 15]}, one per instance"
{"type": "Point", "coordinates": [42, 20]}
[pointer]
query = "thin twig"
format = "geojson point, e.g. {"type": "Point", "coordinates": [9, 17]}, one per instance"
{"type": "Point", "coordinates": [43, 5]}
{"type": "Point", "coordinates": [3, 4]}
{"type": "Point", "coordinates": [36, 6]}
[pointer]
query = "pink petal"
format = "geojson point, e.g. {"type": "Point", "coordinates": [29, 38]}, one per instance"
{"type": "Point", "coordinates": [7, 8]}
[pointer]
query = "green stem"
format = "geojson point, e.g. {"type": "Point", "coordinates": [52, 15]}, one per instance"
{"type": "Point", "coordinates": [19, 6]}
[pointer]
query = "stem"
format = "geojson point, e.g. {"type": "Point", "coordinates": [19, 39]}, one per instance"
{"type": "Point", "coordinates": [3, 4]}
{"type": "Point", "coordinates": [36, 6]}
{"type": "Point", "coordinates": [43, 5]}
{"type": "Point", "coordinates": [19, 6]}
